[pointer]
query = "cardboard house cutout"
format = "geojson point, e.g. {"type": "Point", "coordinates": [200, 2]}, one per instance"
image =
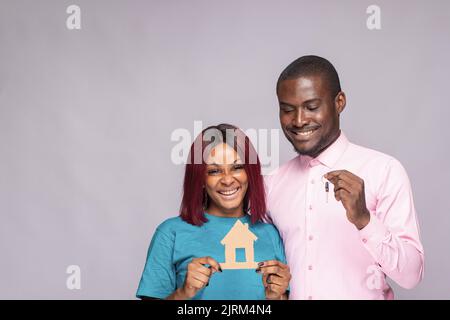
{"type": "Point", "coordinates": [239, 237]}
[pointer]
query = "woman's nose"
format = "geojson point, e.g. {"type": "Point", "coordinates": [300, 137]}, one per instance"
{"type": "Point", "coordinates": [227, 178]}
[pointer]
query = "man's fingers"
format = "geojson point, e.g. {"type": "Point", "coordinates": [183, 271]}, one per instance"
{"type": "Point", "coordinates": [333, 176]}
{"type": "Point", "coordinates": [342, 184]}
{"type": "Point", "coordinates": [341, 194]}
{"type": "Point", "coordinates": [335, 179]}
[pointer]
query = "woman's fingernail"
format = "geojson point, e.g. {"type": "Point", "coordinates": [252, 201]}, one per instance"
{"type": "Point", "coordinates": [258, 270]}
{"type": "Point", "coordinates": [220, 269]}
{"type": "Point", "coordinates": [260, 264]}
{"type": "Point", "coordinates": [207, 284]}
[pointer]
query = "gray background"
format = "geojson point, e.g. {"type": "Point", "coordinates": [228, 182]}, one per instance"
{"type": "Point", "coordinates": [86, 118]}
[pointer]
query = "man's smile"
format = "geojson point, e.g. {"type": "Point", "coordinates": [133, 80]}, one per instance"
{"type": "Point", "coordinates": [303, 134]}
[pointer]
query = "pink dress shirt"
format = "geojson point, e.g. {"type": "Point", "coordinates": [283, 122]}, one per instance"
{"type": "Point", "coordinates": [328, 256]}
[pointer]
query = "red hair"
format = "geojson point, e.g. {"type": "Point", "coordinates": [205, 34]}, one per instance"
{"type": "Point", "coordinates": [192, 204]}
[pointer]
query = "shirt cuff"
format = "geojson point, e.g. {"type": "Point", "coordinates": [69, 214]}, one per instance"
{"type": "Point", "coordinates": [373, 234]}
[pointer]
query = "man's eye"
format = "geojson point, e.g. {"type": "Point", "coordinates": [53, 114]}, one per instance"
{"type": "Point", "coordinates": [312, 108]}
{"type": "Point", "coordinates": [287, 109]}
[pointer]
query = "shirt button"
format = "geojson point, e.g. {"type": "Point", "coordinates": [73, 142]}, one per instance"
{"type": "Point", "coordinates": [310, 207]}
{"type": "Point", "coordinates": [310, 238]}
{"type": "Point", "coordinates": [309, 267]}
{"type": "Point", "coordinates": [364, 240]}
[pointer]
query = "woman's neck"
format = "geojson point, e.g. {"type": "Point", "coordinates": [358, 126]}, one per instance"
{"type": "Point", "coordinates": [226, 213]}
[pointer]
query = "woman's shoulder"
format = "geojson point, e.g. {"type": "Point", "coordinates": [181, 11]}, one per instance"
{"type": "Point", "coordinates": [173, 225]}
{"type": "Point", "coordinates": [267, 227]}
{"type": "Point", "coordinates": [169, 224]}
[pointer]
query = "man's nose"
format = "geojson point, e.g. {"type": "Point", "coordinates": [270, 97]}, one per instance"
{"type": "Point", "coordinates": [300, 118]}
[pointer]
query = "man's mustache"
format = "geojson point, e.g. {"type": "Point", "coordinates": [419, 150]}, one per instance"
{"type": "Point", "coordinates": [302, 129]}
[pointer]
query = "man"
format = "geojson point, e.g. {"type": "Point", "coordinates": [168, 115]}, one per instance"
{"type": "Point", "coordinates": [345, 213]}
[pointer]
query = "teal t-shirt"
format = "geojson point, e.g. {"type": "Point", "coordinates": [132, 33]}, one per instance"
{"type": "Point", "coordinates": [176, 242]}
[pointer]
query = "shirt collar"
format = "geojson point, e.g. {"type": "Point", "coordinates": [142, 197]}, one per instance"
{"type": "Point", "coordinates": [330, 155]}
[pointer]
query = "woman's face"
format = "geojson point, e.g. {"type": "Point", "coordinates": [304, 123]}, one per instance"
{"type": "Point", "coordinates": [226, 182]}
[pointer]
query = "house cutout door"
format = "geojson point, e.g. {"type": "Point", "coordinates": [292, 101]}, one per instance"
{"type": "Point", "coordinates": [239, 237]}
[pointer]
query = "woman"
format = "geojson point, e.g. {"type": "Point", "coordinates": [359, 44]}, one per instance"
{"type": "Point", "coordinates": [212, 250]}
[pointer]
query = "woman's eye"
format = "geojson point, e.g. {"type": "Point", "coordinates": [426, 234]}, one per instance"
{"type": "Point", "coordinates": [214, 171]}
{"type": "Point", "coordinates": [238, 167]}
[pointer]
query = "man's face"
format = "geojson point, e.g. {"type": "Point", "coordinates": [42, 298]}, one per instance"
{"type": "Point", "coordinates": [309, 115]}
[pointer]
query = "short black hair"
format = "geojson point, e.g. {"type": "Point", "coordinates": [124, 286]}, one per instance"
{"type": "Point", "coordinates": [311, 66]}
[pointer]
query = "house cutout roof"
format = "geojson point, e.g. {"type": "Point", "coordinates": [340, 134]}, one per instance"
{"type": "Point", "coordinates": [239, 237]}
{"type": "Point", "coordinates": [238, 234]}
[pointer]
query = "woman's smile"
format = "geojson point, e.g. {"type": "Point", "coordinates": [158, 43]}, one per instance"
{"type": "Point", "coordinates": [229, 194]}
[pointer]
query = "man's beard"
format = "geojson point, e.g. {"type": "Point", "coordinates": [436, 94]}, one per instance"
{"type": "Point", "coordinates": [320, 147]}
{"type": "Point", "coordinates": [316, 151]}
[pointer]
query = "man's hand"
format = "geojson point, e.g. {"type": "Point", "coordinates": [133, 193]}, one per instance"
{"type": "Point", "coordinates": [197, 276]}
{"type": "Point", "coordinates": [276, 276]}
{"type": "Point", "coordinates": [349, 189]}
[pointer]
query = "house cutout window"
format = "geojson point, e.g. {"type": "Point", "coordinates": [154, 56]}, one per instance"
{"type": "Point", "coordinates": [240, 255]}
{"type": "Point", "coordinates": [238, 242]}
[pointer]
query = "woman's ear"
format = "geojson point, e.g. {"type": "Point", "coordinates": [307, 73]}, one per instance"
{"type": "Point", "coordinates": [340, 101]}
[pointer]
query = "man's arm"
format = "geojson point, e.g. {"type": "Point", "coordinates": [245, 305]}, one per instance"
{"type": "Point", "coordinates": [391, 233]}
{"type": "Point", "coordinates": [392, 236]}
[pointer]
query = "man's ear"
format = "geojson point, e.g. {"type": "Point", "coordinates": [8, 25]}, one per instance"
{"type": "Point", "coordinates": [340, 101]}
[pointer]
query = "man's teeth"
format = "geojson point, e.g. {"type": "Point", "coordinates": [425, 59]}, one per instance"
{"type": "Point", "coordinates": [305, 133]}
{"type": "Point", "coordinates": [229, 192]}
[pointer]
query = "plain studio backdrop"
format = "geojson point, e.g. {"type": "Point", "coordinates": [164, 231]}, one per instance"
{"type": "Point", "coordinates": [86, 118]}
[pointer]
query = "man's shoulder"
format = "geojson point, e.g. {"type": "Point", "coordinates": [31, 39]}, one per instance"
{"type": "Point", "coordinates": [374, 161]}
{"type": "Point", "coordinates": [367, 154]}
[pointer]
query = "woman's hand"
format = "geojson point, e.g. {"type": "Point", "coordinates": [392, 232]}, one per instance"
{"type": "Point", "coordinates": [276, 276]}
{"type": "Point", "coordinates": [197, 276]}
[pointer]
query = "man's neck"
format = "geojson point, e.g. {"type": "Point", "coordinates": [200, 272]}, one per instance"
{"type": "Point", "coordinates": [333, 140]}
